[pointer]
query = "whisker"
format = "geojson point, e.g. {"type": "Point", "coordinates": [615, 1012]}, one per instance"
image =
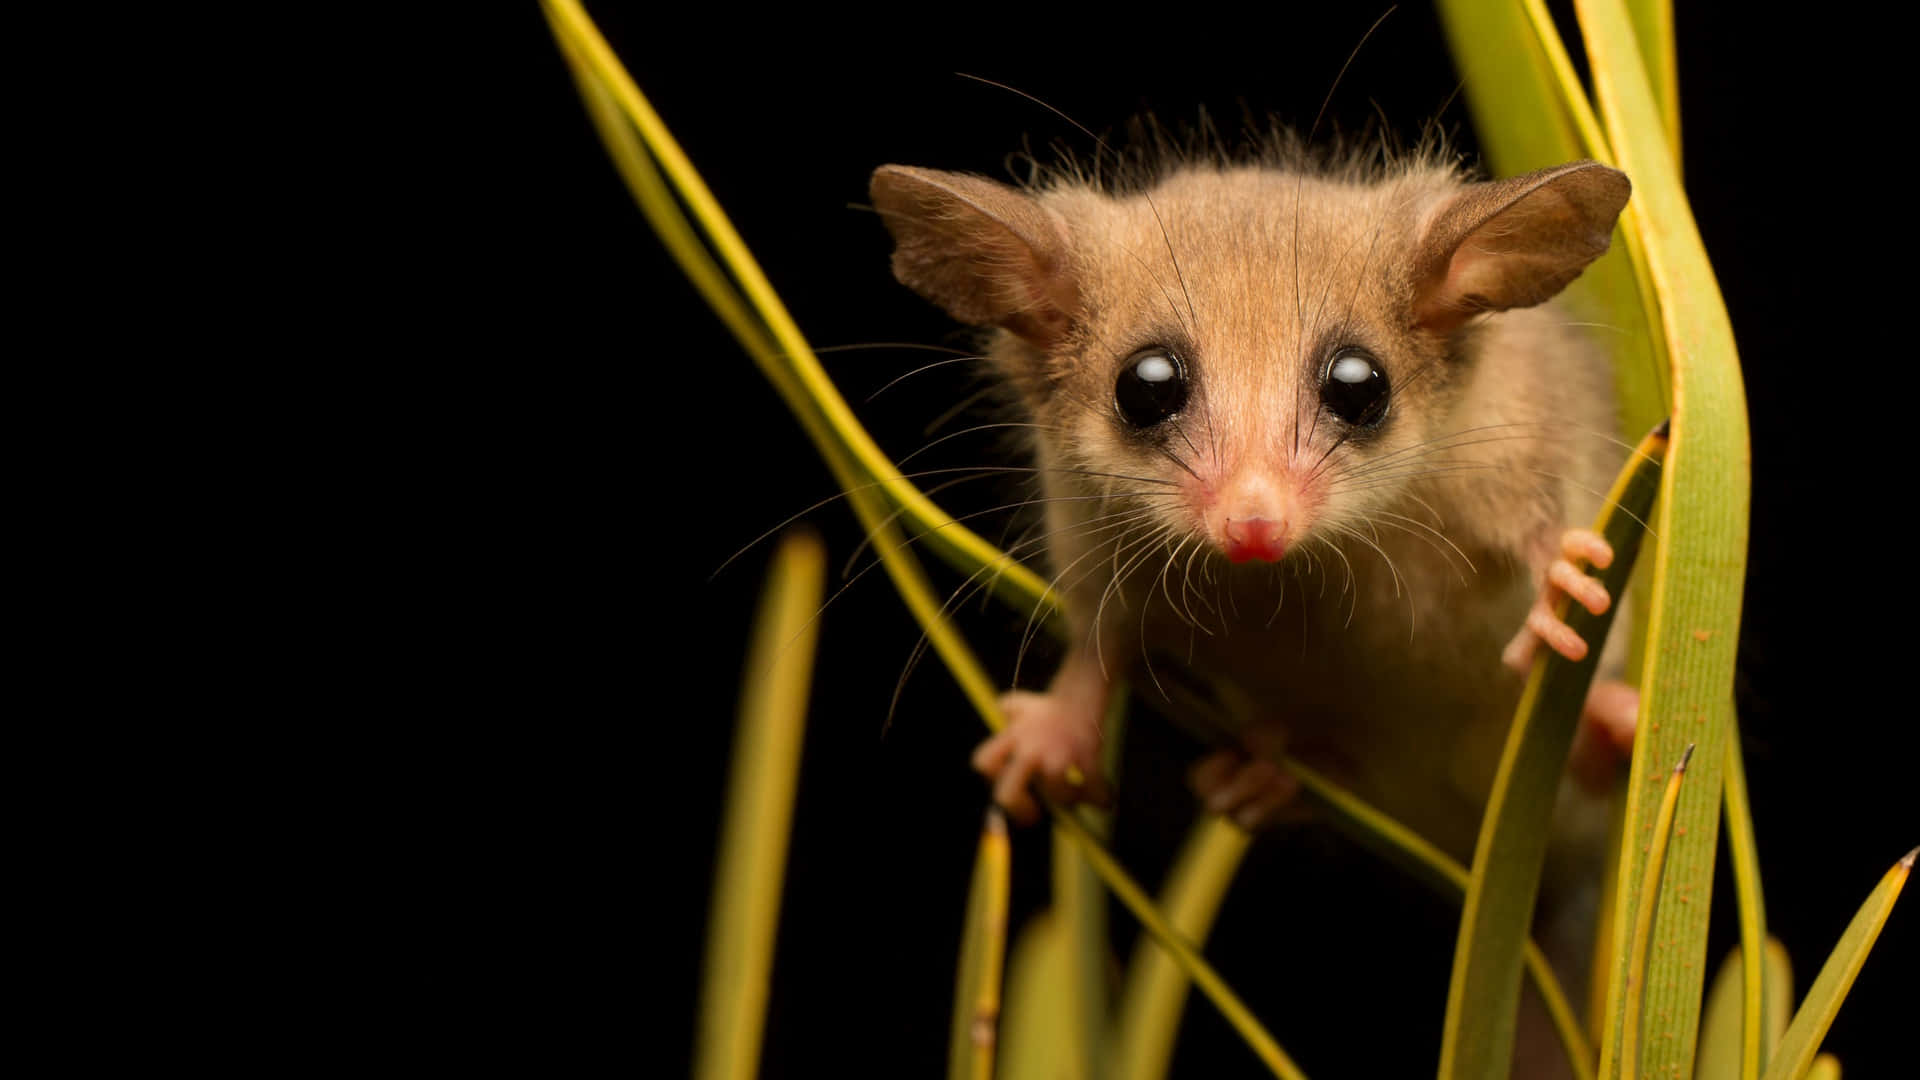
{"type": "Point", "coordinates": [897, 380]}
{"type": "Point", "coordinates": [971, 430]}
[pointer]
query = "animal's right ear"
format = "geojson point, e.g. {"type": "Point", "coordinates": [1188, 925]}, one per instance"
{"type": "Point", "coordinates": [987, 253]}
{"type": "Point", "coordinates": [1514, 243]}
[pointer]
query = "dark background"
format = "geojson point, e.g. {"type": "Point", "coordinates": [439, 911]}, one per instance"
{"type": "Point", "coordinates": [682, 455]}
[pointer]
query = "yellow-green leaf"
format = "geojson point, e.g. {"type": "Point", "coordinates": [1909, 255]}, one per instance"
{"type": "Point", "coordinates": [1039, 1004]}
{"type": "Point", "coordinates": [1484, 994]}
{"type": "Point", "coordinates": [1156, 989]}
{"type": "Point", "coordinates": [1651, 893]}
{"type": "Point", "coordinates": [1752, 913]}
{"type": "Point", "coordinates": [754, 833]}
{"type": "Point", "coordinates": [1699, 566]}
{"type": "Point", "coordinates": [1794, 1055]}
{"type": "Point", "coordinates": [983, 947]}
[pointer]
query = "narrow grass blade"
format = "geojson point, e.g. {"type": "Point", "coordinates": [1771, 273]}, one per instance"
{"type": "Point", "coordinates": [1038, 1003]}
{"type": "Point", "coordinates": [1699, 563]}
{"type": "Point", "coordinates": [746, 322]}
{"type": "Point", "coordinates": [1601, 968]}
{"type": "Point", "coordinates": [1651, 894]}
{"type": "Point", "coordinates": [1081, 904]}
{"type": "Point", "coordinates": [976, 992]}
{"type": "Point", "coordinates": [1724, 1027]}
{"type": "Point", "coordinates": [792, 367]}
{"type": "Point", "coordinates": [1484, 994]}
{"type": "Point", "coordinates": [1777, 996]}
{"type": "Point", "coordinates": [753, 838]}
{"type": "Point", "coordinates": [1751, 910]}
{"type": "Point", "coordinates": [1792, 1058]}
{"type": "Point", "coordinates": [1156, 989]}
{"type": "Point", "coordinates": [1183, 951]}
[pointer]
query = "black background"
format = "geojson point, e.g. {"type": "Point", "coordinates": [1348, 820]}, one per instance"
{"type": "Point", "coordinates": [681, 455]}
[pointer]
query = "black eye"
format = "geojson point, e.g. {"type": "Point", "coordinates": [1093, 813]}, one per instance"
{"type": "Point", "coordinates": [1355, 389]}
{"type": "Point", "coordinates": [1152, 387]}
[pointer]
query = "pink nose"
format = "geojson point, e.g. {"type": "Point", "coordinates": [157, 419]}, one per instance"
{"type": "Point", "coordinates": [1256, 538]}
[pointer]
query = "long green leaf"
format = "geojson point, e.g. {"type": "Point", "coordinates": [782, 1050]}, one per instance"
{"type": "Point", "coordinates": [1183, 950]}
{"type": "Point", "coordinates": [1082, 908]}
{"type": "Point", "coordinates": [1651, 894]}
{"type": "Point", "coordinates": [754, 834]}
{"type": "Point", "coordinates": [983, 946]}
{"type": "Point", "coordinates": [1484, 994]}
{"type": "Point", "coordinates": [1794, 1056]}
{"type": "Point", "coordinates": [1039, 1003]}
{"type": "Point", "coordinates": [1699, 563]}
{"type": "Point", "coordinates": [792, 365]}
{"type": "Point", "coordinates": [1752, 912]}
{"type": "Point", "coordinates": [1156, 990]}
{"type": "Point", "coordinates": [1601, 950]}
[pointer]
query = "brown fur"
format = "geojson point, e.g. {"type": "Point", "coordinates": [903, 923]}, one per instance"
{"type": "Point", "coordinates": [1372, 647]}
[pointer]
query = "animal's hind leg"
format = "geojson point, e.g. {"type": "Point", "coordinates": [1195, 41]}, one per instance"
{"type": "Point", "coordinates": [1251, 790]}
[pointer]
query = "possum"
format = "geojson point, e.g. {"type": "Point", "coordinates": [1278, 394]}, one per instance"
{"type": "Point", "coordinates": [1314, 450]}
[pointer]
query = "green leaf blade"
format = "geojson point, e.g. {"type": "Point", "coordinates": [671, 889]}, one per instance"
{"type": "Point", "coordinates": [1156, 988]}
{"type": "Point", "coordinates": [1699, 567]}
{"type": "Point", "coordinates": [1484, 993]}
{"type": "Point", "coordinates": [755, 830]}
{"type": "Point", "coordinates": [983, 949]}
{"type": "Point", "coordinates": [1795, 1054]}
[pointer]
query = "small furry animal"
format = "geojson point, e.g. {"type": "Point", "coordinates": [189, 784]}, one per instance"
{"type": "Point", "coordinates": [1310, 449]}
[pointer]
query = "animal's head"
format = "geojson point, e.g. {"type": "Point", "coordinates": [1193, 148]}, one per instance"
{"type": "Point", "coordinates": [1248, 349]}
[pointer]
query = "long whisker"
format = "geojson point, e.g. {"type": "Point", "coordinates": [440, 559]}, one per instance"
{"type": "Point", "coordinates": [898, 379]}
{"type": "Point", "coordinates": [972, 430]}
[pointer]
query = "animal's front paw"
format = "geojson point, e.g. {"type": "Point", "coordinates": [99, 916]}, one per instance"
{"type": "Point", "coordinates": [1050, 739]}
{"type": "Point", "coordinates": [1563, 579]}
{"type": "Point", "coordinates": [1253, 791]}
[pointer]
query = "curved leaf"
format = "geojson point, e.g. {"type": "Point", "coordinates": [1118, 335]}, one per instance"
{"type": "Point", "coordinates": [1156, 990]}
{"type": "Point", "coordinates": [754, 833]}
{"type": "Point", "coordinates": [1794, 1056]}
{"type": "Point", "coordinates": [1752, 913]}
{"type": "Point", "coordinates": [1484, 994]}
{"type": "Point", "coordinates": [1699, 567]}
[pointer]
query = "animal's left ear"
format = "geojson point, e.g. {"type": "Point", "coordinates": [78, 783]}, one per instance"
{"type": "Point", "coordinates": [1514, 243]}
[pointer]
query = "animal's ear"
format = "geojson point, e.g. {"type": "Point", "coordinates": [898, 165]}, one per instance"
{"type": "Point", "coordinates": [1514, 243]}
{"type": "Point", "coordinates": [987, 253]}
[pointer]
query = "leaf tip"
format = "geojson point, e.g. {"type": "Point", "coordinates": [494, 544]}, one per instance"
{"type": "Point", "coordinates": [1665, 429]}
{"type": "Point", "coordinates": [996, 822]}
{"type": "Point", "coordinates": [1907, 862]}
{"type": "Point", "coordinates": [1684, 758]}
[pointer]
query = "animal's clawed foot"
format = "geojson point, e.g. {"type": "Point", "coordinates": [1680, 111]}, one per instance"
{"type": "Point", "coordinates": [1563, 579]}
{"type": "Point", "coordinates": [1253, 791]}
{"type": "Point", "coordinates": [1051, 740]}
